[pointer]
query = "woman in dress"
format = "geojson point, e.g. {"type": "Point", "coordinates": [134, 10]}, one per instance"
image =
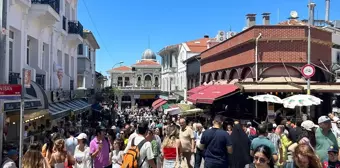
{"type": "Point", "coordinates": [117, 154]}
{"type": "Point", "coordinates": [171, 146]}
{"type": "Point", "coordinates": [241, 143]}
{"type": "Point", "coordinates": [82, 153]}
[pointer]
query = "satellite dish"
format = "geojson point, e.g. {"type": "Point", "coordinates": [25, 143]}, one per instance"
{"type": "Point", "coordinates": [293, 14]}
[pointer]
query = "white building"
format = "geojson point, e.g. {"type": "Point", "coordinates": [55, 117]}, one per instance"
{"type": "Point", "coordinates": [174, 70]}
{"type": "Point", "coordinates": [87, 62]}
{"type": "Point", "coordinates": [42, 36]}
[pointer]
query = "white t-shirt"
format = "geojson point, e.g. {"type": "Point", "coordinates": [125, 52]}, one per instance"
{"type": "Point", "coordinates": [145, 152]}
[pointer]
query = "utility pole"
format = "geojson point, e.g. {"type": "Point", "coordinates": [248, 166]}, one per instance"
{"type": "Point", "coordinates": [309, 48]}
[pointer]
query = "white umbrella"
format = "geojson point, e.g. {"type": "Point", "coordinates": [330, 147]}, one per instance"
{"type": "Point", "coordinates": [300, 101]}
{"type": "Point", "coordinates": [267, 98]}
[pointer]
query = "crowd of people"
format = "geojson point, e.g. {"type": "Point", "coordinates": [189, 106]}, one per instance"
{"type": "Point", "coordinates": [147, 138]}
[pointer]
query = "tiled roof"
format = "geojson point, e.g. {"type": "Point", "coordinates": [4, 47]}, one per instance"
{"type": "Point", "coordinates": [147, 62]}
{"type": "Point", "coordinates": [122, 68]}
{"type": "Point", "coordinates": [292, 22]}
{"type": "Point", "coordinates": [199, 45]}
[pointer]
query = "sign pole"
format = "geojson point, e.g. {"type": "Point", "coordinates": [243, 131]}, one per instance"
{"type": "Point", "coordinates": [309, 51]}
{"type": "Point", "coordinates": [22, 108]}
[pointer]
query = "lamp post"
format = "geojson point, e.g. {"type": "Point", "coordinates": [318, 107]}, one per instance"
{"type": "Point", "coordinates": [121, 62]}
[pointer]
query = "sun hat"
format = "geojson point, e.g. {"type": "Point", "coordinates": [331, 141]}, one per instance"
{"type": "Point", "coordinates": [308, 125]}
{"type": "Point", "coordinates": [82, 136]}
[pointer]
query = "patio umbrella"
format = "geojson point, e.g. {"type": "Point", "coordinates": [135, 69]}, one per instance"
{"type": "Point", "coordinates": [300, 101]}
{"type": "Point", "coordinates": [267, 98]}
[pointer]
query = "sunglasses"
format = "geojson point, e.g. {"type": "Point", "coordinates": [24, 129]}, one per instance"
{"type": "Point", "coordinates": [260, 159]}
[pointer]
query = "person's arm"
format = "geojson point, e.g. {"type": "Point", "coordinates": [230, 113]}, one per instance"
{"type": "Point", "coordinates": [95, 151]}
{"type": "Point", "coordinates": [192, 136]}
{"type": "Point", "coordinates": [252, 149]}
{"type": "Point", "coordinates": [275, 157]}
{"type": "Point", "coordinates": [202, 142]}
{"type": "Point", "coordinates": [229, 144]}
{"type": "Point", "coordinates": [150, 155]}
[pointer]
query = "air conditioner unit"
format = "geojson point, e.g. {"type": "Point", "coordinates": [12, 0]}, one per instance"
{"type": "Point", "coordinates": [230, 34]}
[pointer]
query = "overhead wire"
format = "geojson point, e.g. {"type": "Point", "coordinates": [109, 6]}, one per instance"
{"type": "Point", "coordinates": [95, 27]}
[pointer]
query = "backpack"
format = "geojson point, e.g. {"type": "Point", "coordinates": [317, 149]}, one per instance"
{"type": "Point", "coordinates": [131, 158]}
{"type": "Point", "coordinates": [252, 131]}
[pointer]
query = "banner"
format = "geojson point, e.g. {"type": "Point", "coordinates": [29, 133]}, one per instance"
{"type": "Point", "coordinates": [27, 78]}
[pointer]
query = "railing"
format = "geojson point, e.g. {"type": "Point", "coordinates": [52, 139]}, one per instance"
{"type": "Point", "coordinates": [40, 80]}
{"type": "Point", "coordinates": [14, 78]}
{"type": "Point", "coordinates": [64, 23]}
{"type": "Point", "coordinates": [71, 84]}
{"type": "Point", "coordinates": [75, 27]}
{"type": "Point", "coordinates": [55, 4]}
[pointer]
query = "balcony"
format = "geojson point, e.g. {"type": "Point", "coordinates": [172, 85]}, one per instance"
{"type": "Point", "coordinates": [46, 11]}
{"type": "Point", "coordinates": [138, 88]}
{"type": "Point", "coordinates": [40, 80]}
{"type": "Point", "coordinates": [14, 78]}
{"type": "Point", "coordinates": [75, 33]}
{"type": "Point", "coordinates": [64, 23]}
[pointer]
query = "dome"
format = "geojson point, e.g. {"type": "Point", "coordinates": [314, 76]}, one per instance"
{"type": "Point", "coordinates": [148, 55]}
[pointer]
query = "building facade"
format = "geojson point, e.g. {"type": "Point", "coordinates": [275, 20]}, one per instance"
{"type": "Point", "coordinates": [86, 60]}
{"type": "Point", "coordinates": [174, 78]}
{"type": "Point", "coordinates": [138, 85]}
{"type": "Point", "coordinates": [42, 38]}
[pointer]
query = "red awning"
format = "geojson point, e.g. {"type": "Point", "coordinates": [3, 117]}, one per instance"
{"type": "Point", "coordinates": [157, 101]}
{"type": "Point", "coordinates": [159, 104]}
{"type": "Point", "coordinates": [197, 89]}
{"type": "Point", "coordinates": [212, 93]}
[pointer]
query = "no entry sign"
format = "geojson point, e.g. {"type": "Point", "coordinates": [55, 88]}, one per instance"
{"type": "Point", "coordinates": [308, 71]}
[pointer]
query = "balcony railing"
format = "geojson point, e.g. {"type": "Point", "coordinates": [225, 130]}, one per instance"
{"type": "Point", "coordinates": [55, 4]}
{"type": "Point", "coordinates": [71, 84]}
{"type": "Point", "coordinates": [75, 27]}
{"type": "Point", "coordinates": [138, 88]}
{"type": "Point", "coordinates": [14, 78]}
{"type": "Point", "coordinates": [64, 23]}
{"type": "Point", "coordinates": [40, 80]}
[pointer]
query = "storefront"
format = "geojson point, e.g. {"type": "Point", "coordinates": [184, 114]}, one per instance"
{"type": "Point", "coordinates": [35, 112]}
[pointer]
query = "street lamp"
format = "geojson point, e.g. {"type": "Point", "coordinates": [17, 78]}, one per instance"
{"type": "Point", "coordinates": [121, 62]}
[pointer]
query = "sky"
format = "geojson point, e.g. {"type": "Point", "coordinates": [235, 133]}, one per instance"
{"type": "Point", "coordinates": [123, 28]}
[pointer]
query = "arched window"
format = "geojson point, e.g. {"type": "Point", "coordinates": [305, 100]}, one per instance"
{"type": "Point", "coordinates": [147, 81]}
{"type": "Point", "coordinates": [156, 82]}
{"type": "Point", "coordinates": [139, 81]}
{"type": "Point", "coordinates": [120, 81]}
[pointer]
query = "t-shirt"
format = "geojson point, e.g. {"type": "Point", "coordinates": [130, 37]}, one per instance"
{"type": "Point", "coordinates": [216, 142]}
{"type": "Point", "coordinates": [262, 140]}
{"type": "Point", "coordinates": [323, 142]}
{"type": "Point", "coordinates": [102, 158]}
{"type": "Point", "coordinates": [71, 144]}
{"type": "Point", "coordinates": [186, 136]}
{"type": "Point", "coordinates": [145, 152]}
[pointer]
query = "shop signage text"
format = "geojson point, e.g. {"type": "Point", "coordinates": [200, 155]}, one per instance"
{"type": "Point", "coordinates": [13, 106]}
{"type": "Point", "coordinates": [10, 90]}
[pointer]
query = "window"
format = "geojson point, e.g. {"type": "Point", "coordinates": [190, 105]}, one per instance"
{"type": "Point", "coordinates": [42, 56]}
{"type": "Point", "coordinates": [338, 57]}
{"type": "Point", "coordinates": [11, 49]}
{"type": "Point", "coordinates": [89, 54]}
{"type": "Point", "coordinates": [120, 81]}
{"type": "Point", "coordinates": [86, 48]}
{"type": "Point", "coordinates": [127, 81]}
{"type": "Point", "coordinates": [28, 52]}
{"type": "Point", "coordinates": [80, 49]}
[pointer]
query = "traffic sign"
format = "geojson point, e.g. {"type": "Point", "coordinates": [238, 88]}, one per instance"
{"type": "Point", "coordinates": [308, 71]}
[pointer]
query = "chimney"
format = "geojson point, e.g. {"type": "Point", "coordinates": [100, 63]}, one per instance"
{"type": "Point", "coordinates": [266, 18]}
{"type": "Point", "coordinates": [311, 13]}
{"type": "Point", "coordinates": [206, 36]}
{"type": "Point", "coordinates": [251, 20]}
{"type": "Point", "coordinates": [327, 10]}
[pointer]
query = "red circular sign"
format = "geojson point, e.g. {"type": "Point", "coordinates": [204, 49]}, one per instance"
{"type": "Point", "coordinates": [308, 71]}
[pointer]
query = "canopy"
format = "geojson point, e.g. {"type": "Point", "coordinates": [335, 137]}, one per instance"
{"type": "Point", "coordinates": [197, 89]}
{"type": "Point", "coordinates": [157, 101]}
{"type": "Point", "coordinates": [212, 93]}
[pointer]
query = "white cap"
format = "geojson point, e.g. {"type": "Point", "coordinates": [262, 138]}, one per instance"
{"type": "Point", "coordinates": [308, 125]}
{"type": "Point", "coordinates": [274, 125]}
{"type": "Point", "coordinates": [113, 127]}
{"type": "Point", "coordinates": [323, 119]}
{"type": "Point", "coordinates": [82, 136]}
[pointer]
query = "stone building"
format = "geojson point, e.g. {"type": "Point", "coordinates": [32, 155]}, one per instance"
{"type": "Point", "coordinates": [140, 83]}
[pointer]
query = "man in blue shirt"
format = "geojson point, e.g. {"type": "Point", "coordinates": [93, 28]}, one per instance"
{"type": "Point", "coordinates": [217, 145]}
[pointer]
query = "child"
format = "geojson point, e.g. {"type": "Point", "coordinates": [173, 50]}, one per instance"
{"type": "Point", "coordinates": [332, 158]}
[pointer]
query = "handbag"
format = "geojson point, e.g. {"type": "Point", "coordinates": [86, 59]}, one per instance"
{"type": "Point", "coordinates": [181, 162]}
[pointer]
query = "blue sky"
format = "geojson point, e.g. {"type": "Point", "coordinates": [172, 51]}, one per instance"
{"type": "Point", "coordinates": [125, 26]}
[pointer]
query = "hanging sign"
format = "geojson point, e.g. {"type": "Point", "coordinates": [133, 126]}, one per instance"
{"type": "Point", "coordinates": [308, 71]}
{"type": "Point", "coordinates": [27, 78]}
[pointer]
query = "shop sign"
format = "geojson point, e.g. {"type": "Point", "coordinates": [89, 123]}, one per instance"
{"type": "Point", "coordinates": [13, 106]}
{"type": "Point", "coordinates": [10, 90]}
